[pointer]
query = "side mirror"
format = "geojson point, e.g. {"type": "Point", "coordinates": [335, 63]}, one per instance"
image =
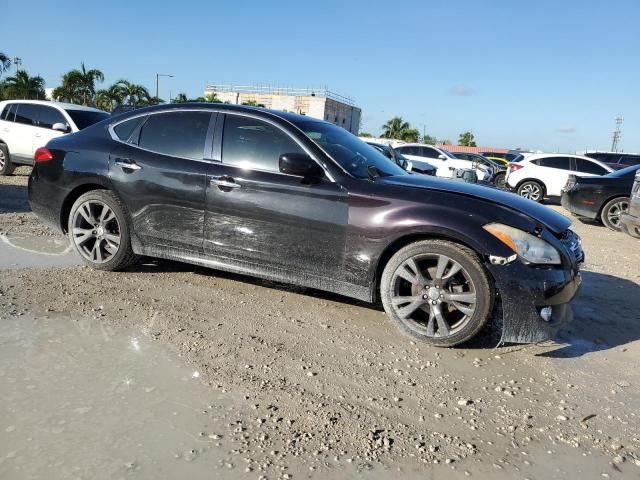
{"type": "Point", "coordinates": [442, 156]}
{"type": "Point", "coordinates": [300, 165]}
{"type": "Point", "coordinates": [409, 166]}
{"type": "Point", "coordinates": [61, 127]}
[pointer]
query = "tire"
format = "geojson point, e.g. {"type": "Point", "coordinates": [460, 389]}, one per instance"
{"type": "Point", "coordinates": [499, 180]}
{"type": "Point", "coordinates": [411, 301]}
{"type": "Point", "coordinates": [6, 166]}
{"type": "Point", "coordinates": [610, 215]}
{"type": "Point", "coordinates": [532, 190]}
{"type": "Point", "coordinates": [90, 223]}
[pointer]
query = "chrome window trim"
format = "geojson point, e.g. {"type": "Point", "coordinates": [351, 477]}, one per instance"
{"type": "Point", "coordinates": [114, 137]}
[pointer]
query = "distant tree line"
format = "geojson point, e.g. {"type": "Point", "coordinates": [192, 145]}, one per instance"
{"type": "Point", "coordinates": [396, 128]}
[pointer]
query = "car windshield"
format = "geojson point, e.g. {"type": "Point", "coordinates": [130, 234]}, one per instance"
{"type": "Point", "coordinates": [448, 153]}
{"type": "Point", "coordinates": [85, 118]}
{"type": "Point", "coordinates": [354, 155]}
{"type": "Point", "coordinates": [625, 172]}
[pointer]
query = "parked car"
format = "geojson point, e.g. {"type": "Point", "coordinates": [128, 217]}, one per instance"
{"type": "Point", "coordinates": [543, 175]}
{"type": "Point", "coordinates": [603, 198]}
{"type": "Point", "coordinates": [615, 160]}
{"type": "Point", "coordinates": [294, 199]}
{"type": "Point", "coordinates": [401, 160]}
{"type": "Point", "coordinates": [630, 221]}
{"type": "Point", "coordinates": [498, 170]}
{"type": "Point", "coordinates": [444, 161]}
{"type": "Point", "coordinates": [26, 125]}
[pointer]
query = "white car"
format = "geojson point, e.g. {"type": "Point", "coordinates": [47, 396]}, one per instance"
{"type": "Point", "coordinates": [26, 125]}
{"type": "Point", "coordinates": [444, 161]}
{"type": "Point", "coordinates": [544, 175]}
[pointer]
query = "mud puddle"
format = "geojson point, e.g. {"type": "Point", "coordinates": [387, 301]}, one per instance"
{"type": "Point", "coordinates": [80, 400]}
{"type": "Point", "coordinates": [24, 250]}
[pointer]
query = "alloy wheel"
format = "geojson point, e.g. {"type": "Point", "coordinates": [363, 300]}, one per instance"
{"type": "Point", "coordinates": [96, 231]}
{"type": "Point", "coordinates": [616, 210]}
{"type": "Point", "coordinates": [3, 160]}
{"type": "Point", "coordinates": [433, 295]}
{"type": "Point", "coordinates": [531, 191]}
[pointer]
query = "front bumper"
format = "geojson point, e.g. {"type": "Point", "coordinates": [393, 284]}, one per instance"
{"type": "Point", "coordinates": [630, 225]}
{"type": "Point", "coordinates": [525, 290]}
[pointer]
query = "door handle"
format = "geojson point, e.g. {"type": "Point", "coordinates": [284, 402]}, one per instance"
{"type": "Point", "coordinates": [128, 164]}
{"type": "Point", "coordinates": [37, 135]}
{"type": "Point", "coordinates": [224, 183]}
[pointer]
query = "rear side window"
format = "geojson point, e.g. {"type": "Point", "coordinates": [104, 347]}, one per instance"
{"type": "Point", "coordinates": [562, 163]}
{"type": "Point", "coordinates": [27, 114]}
{"type": "Point", "coordinates": [5, 111]}
{"type": "Point", "coordinates": [585, 166]}
{"type": "Point", "coordinates": [50, 116]}
{"type": "Point", "coordinates": [11, 114]}
{"type": "Point", "coordinates": [629, 160]}
{"type": "Point", "coordinates": [408, 150]}
{"type": "Point", "coordinates": [178, 134]}
{"type": "Point", "coordinates": [253, 144]}
{"type": "Point", "coordinates": [124, 130]}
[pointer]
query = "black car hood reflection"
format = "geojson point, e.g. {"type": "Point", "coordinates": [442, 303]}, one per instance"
{"type": "Point", "coordinates": [553, 221]}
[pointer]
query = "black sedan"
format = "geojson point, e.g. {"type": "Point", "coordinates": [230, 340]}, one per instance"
{"type": "Point", "coordinates": [298, 200]}
{"type": "Point", "coordinates": [603, 198]}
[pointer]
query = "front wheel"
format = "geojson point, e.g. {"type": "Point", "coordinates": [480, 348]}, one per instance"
{"type": "Point", "coordinates": [531, 190]}
{"type": "Point", "coordinates": [499, 180]}
{"type": "Point", "coordinates": [612, 211]}
{"type": "Point", "coordinates": [99, 231]}
{"type": "Point", "coordinates": [6, 166]}
{"type": "Point", "coordinates": [437, 291]}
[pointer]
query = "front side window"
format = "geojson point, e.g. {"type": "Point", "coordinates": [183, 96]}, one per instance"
{"type": "Point", "coordinates": [561, 163]}
{"type": "Point", "coordinates": [177, 134]}
{"type": "Point", "coordinates": [429, 152]}
{"type": "Point", "coordinates": [85, 118]}
{"type": "Point", "coordinates": [254, 144]}
{"type": "Point", "coordinates": [585, 166]}
{"type": "Point", "coordinates": [351, 153]}
{"type": "Point", "coordinates": [27, 114]}
{"type": "Point", "coordinates": [630, 160]}
{"type": "Point", "coordinates": [49, 116]}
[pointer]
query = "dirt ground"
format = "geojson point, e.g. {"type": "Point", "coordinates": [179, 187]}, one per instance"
{"type": "Point", "coordinates": [286, 382]}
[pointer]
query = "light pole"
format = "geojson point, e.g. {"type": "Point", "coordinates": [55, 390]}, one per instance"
{"type": "Point", "coordinates": [158, 75]}
{"type": "Point", "coordinates": [17, 61]}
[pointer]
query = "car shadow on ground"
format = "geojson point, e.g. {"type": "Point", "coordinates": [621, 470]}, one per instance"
{"type": "Point", "coordinates": [13, 199]}
{"type": "Point", "coordinates": [606, 316]}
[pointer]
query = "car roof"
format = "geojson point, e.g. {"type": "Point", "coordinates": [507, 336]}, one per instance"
{"type": "Point", "coordinates": [51, 103]}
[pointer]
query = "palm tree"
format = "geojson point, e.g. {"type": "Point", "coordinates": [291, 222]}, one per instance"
{"type": "Point", "coordinates": [395, 128]}
{"type": "Point", "coordinates": [23, 86]}
{"type": "Point", "coordinates": [131, 93]}
{"type": "Point", "coordinates": [467, 139]}
{"type": "Point", "coordinates": [83, 82]}
{"type": "Point", "coordinates": [108, 99]}
{"type": "Point", "coordinates": [5, 63]}
{"type": "Point", "coordinates": [180, 98]}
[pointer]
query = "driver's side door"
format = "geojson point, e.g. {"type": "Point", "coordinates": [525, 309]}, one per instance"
{"type": "Point", "coordinates": [258, 216]}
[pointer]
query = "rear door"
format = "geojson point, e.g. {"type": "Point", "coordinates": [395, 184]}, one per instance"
{"type": "Point", "coordinates": [159, 167]}
{"type": "Point", "coordinates": [267, 218]}
{"type": "Point", "coordinates": [553, 172]}
{"type": "Point", "coordinates": [21, 137]}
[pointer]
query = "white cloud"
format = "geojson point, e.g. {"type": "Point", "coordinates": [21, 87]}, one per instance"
{"type": "Point", "coordinates": [460, 90]}
{"type": "Point", "coordinates": [567, 129]}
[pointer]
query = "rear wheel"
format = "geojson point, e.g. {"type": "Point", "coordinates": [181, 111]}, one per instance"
{"type": "Point", "coordinates": [531, 190]}
{"type": "Point", "coordinates": [99, 231]}
{"type": "Point", "coordinates": [612, 211]}
{"type": "Point", "coordinates": [437, 292]}
{"type": "Point", "coordinates": [6, 166]}
{"type": "Point", "coordinates": [499, 180]}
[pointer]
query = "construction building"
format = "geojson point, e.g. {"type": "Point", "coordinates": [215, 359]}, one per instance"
{"type": "Point", "coordinates": [316, 103]}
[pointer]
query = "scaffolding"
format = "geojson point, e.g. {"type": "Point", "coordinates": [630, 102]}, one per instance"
{"type": "Point", "coordinates": [278, 90]}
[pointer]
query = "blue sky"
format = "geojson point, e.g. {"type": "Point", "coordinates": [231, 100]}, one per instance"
{"type": "Point", "coordinates": [546, 74]}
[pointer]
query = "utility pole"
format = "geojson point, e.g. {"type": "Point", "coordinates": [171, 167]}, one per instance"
{"type": "Point", "coordinates": [617, 133]}
{"type": "Point", "coordinates": [17, 61]}
{"type": "Point", "coordinates": [158, 75]}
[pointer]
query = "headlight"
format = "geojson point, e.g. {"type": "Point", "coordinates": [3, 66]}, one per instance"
{"type": "Point", "coordinates": [529, 247]}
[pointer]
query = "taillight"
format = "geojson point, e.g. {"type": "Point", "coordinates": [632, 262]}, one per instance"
{"type": "Point", "coordinates": [42, 155]}
{"type": "Point", "coordinates": [514, 167]}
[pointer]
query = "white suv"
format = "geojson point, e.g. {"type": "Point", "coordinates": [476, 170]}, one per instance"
{"type": "Point", "coordinates": [444, 161]}
{"type": "Point", "coordinates": [544, 175]}
{"type": "Point", "coordinates": [26, 125]}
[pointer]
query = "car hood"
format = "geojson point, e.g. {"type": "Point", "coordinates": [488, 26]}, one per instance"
{"type": "Point", "coordinates": [553, 221]}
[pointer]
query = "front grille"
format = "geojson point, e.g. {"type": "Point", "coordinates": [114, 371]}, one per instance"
{"type": "Point", "coordinates": [573, 244]}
